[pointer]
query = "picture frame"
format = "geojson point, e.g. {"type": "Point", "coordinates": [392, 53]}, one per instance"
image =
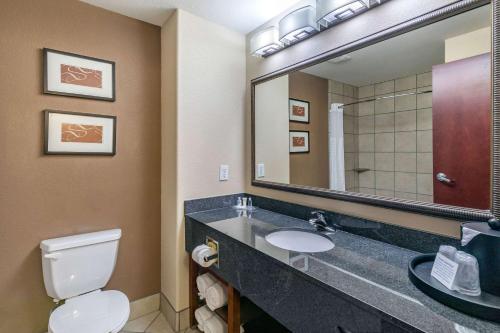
{"type": "Point", "coordinates": [74, 75]}
{"type": "Point", "coordinates": [298, 111]}
{"type": "Point", "coordinates": [299, 142]}
{"type": "Point", "coordinates": [75, 133]}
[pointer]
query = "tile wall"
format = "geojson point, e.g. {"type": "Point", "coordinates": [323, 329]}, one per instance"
{"type": "Point", "coordinates": [395, 138]}
{"type": "Point", "coordinates": [390, 136]}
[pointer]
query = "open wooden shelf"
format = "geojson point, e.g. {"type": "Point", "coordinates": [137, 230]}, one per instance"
{"type": "Point", "coordinates": [238, 311]}
{"type": "Point", "coordinates": [231, 310]}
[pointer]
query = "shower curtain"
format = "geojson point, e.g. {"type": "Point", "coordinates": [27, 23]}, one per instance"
{"type": "Point", "coordinates": [336, 147]}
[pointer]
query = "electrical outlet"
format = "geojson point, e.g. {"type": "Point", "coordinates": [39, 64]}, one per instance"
{"type": "Point", "coordinates": [261, 170]}
{"type": "Point", "coordinates": [223, 172]}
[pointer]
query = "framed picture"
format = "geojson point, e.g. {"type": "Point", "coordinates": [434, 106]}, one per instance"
{"type": "Point", "coordinates": [299, 142]}
{"type": "Point", "coordinates": [298, 110]}
{"type": "Point", "coordinates": [73, 133]}
{"type": "Point", "coordinates": [75, 75]}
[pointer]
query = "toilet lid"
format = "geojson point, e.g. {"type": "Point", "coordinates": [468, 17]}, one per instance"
{"type": "Point", "coordinates": [96, 312]}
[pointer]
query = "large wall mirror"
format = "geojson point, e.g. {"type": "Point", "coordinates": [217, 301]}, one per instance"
{"type": "Point", "coordinates": [405, 122]}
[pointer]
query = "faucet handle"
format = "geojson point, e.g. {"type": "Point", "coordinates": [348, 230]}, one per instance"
{"type": "Point", "coordinates": [320, 221]}
{"type": "Point", "coordinates": [318, 212]}
{"type": "Point", "coordinates": [320, 216]}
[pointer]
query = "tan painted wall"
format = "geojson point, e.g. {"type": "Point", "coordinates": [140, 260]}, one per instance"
{"type": "Point", "coordinates": [271, 129]}
{"type": "Point", "coordinates": [209, 120]}
{"type": "Point", "coordinates": [311, 169]}
{"type": "Point", "coordinates": [170, 209]}
{"type": "Point", "coordinates": [49, 196]}
{"type": "Point", "coordinates": [394, 12]}
{"type": "Point", "coordinates": [468, 45]}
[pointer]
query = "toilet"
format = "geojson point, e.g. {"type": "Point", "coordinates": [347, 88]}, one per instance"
{"type": "Point", "coordinates": [75, 268]}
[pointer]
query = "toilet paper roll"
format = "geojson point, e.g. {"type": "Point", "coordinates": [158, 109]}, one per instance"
{"type": "Point", "coordinates": [200, 253]}
{"type": "Point", "coordinates": [194, 254]}
{"type": "Point", "coordinates": [216, 296]}
{"type": "Point", "coordinates": [202, 315]}
{"type": "Point", "coordinates": [205, 253]}
{"type": "Point", "coordinates": [203, 282]}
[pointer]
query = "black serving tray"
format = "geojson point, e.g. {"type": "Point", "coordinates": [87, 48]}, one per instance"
{"type": "Point", "coordinates": [485, 306]}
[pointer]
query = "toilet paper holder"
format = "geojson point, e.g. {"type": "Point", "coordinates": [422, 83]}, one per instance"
{"type": "Point", "coordinates": [212, 243]}
{"type": "Point", "coordinates": [213, 256]}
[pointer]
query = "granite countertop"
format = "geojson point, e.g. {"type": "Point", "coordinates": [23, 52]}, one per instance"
{"type": "Point", "coordinates": [370, 271]}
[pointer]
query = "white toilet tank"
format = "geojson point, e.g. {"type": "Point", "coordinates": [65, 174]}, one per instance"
{"type": "Point", "coordinates": [78, 264]}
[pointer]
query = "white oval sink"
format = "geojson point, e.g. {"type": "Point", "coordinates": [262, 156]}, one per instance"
{"type": "Point", "coordinates": [300, 241]}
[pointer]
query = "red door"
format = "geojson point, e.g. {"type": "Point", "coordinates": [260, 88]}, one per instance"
{"type": "Point", "coordinates": [461, 112]}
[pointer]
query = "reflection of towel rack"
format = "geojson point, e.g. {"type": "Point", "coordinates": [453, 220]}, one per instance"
{"type": "Point", "coordinates": [385, 97]}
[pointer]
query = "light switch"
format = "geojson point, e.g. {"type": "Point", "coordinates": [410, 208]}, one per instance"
{"type": "Point", "coordinates": [261, 170]}
{"type": "Point", "coordinates": [223, 172]}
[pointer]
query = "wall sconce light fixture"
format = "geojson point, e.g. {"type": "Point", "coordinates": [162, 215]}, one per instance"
{"type": "Point", "coordinates": [298, 25]}
{"type": "Point", "coordinates": [330, 12]}
{"type": "Point", "coordinates": [305, 22]}
{"type": "Point", "coordinates": [265, 42]}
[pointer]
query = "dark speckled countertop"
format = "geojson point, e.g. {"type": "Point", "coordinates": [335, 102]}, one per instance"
{"type": "Point", "coordinates": [370, 271]}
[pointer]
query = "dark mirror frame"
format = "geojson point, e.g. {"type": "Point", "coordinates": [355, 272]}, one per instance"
{"type": "Point", "coordinates": [460, 213]}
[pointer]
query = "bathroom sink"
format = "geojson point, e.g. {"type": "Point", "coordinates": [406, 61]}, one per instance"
{"type": "Point", "coordinates": [300, 240]}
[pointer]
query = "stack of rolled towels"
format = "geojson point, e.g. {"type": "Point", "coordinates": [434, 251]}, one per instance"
{"type": "Point", "coordinates": [215, 295]}
{"type": "Point", "coordinates": [201, 252]}
{"type": "Point", "coordinates": [212, 291]}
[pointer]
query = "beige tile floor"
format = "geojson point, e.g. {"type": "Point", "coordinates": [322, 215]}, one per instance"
{"type": "Point", "coordinates": [151, 323]}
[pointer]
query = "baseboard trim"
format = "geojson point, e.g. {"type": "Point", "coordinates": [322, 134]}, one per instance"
{"type": "Point", "coordinates": [178, 321]}
{"type": "Point", "coordinates": [144, 306]}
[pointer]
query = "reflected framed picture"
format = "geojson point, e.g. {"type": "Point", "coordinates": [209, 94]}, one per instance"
{"type": "Point", "coordinates": [298, 110]}
{"type": "Point", "coordinates": [73, 133]}
{"type": "Point", "coordinates": [299, 142]}
{"type": "Point", "coordinates": [70, 74]}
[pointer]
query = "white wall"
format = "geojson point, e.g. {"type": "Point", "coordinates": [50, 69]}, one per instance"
{"type": "Point", "coordinates": [468, 45]}
{"type": "Point", "coordinates": [203, 129]}
{"type": "Point", "coordinates": [271, 129]}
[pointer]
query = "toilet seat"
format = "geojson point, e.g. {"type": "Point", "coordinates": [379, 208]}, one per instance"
{"type": "Point", "coordinates": [96, 312]}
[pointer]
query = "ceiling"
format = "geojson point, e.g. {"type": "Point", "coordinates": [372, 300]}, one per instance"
{"type": "Point", "coordinates": [412, 53]}
{"type": "Point", "coordinates": [239, 15]}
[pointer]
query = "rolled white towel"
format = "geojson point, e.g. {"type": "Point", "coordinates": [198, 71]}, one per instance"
{"type": "Point", "coordinates": [216, 296]}
{"type": "Point", "coordinates": [202, 315]}
{"type": "Point", "coordinates": [203, 282]}
{"type": "Point", "coordinates": [215, 325]}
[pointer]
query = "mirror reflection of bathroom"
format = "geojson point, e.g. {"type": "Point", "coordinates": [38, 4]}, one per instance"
{"type": "Point", "coordinates": [391, 119]}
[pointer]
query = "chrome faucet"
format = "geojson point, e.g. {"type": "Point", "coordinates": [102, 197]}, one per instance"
{"type": "Point", "coordinates": [318, 220]}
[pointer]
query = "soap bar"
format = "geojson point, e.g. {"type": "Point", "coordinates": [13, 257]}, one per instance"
{"type": "Point", "coordinates": [444, 270]}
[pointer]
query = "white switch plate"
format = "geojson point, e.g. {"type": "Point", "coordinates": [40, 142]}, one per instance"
{"type": "Point", "coordinates": [223, 172]}
{"type": "Point", "coordinates": [261, 170]}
